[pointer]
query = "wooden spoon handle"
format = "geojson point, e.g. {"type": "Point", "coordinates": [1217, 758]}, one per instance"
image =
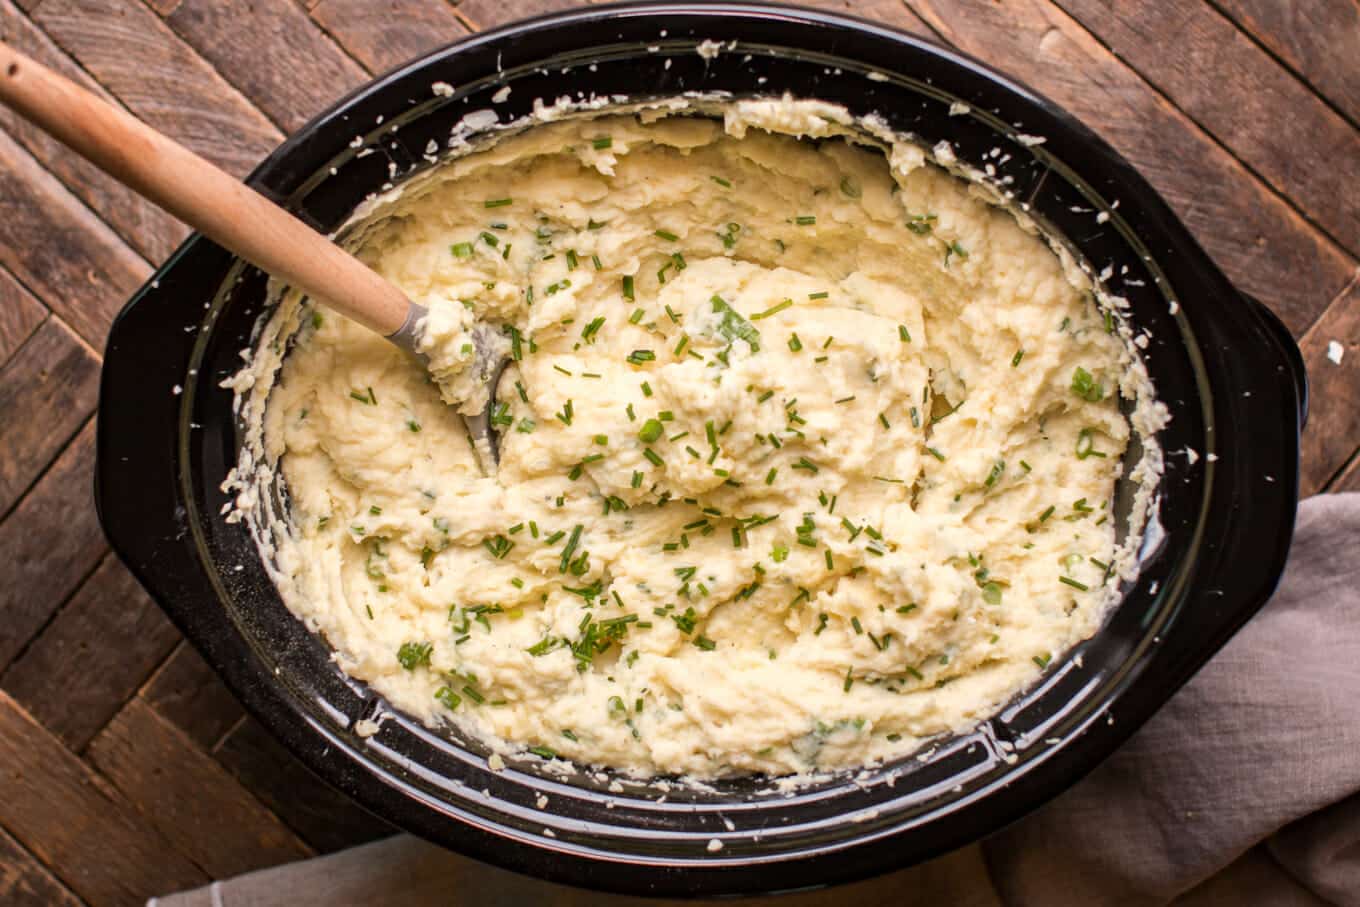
{"type": "Point", "coordinates": [198, 193]}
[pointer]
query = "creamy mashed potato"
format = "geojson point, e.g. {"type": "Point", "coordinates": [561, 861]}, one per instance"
{"type": "Point", "coordinates": [807, 450]}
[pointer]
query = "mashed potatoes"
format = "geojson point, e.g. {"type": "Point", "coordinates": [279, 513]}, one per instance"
{"type": "Point", "coordinates": [807, 451]}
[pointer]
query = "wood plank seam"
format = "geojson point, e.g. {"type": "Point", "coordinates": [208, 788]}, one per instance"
{"type": "Point", "coordinates": [1284, 64]}
{"type": "Point", "coordinates": [282, 128]}
{"type": "Point", "coordinates": [84, 578]}
{"type": "Point", "coordinates": [48, 876]}
{"type": "Point", "coordinates": [1330, 233]}
{"type": "Point", "coordinates": [1305, 341]}
{"type": "Point", "coordinates": [19, 499]}
{"type": "Point", "coordinates": [27, 13]}
{"type": "Point", "coordinates": [115, 242]}
{"type": "Point", "coordinates": [335, 39]}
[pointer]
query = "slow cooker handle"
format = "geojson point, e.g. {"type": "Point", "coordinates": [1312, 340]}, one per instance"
{"type": "Point", "coordinates": [1288, 350]}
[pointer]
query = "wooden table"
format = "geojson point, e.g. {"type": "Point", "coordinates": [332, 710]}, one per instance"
{"type": "Point", "coordinates": [126, 769]}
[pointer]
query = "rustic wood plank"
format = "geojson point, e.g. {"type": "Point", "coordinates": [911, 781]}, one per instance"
{"type": "Point", "coordinates": [189, 694]}
{"type": "Point", "coordinates": [116, 634]}
{"type": "Point", "coordinates": [1333, 431]}
{"type": "Point", "coordinates": [145, 227]}
{"type": "Point", "coordinates": [482, 14]}
{"type": "Point", "coordinates": [886, 12]}
{"type": "Point", "coordinates": [24, 882]}
{"type": "Point", "coordinates": [1264, 245]}
{"type": "Point", "coordinates": [1226, 83]}
{"type": "Point", "coordinates": [1319, 39]}
{"type": "Point", "coordinates": [51, 541]}
{"type": "Point", "coordinates": [189, 797]}
{"type": "Point", "coordinates": [77, 824]}
{"type": "Point", "coordinates": [68, 257]}
{"type": "Point", "coordinates": [278, 57]}
{"type": "Point", "coordinates": [322, 816]}
{"type": "Point", "coordinates": [20, 315]}
{"type": "Point", "coordinates": [382, 36]}
{"type": "Point", "coordinates": [47, 390]}
{"type": "Point", "coordinates": [159, 78]}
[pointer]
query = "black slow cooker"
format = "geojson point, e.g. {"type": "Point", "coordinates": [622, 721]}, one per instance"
{"type": "Point", "coordinates": [1222, 517]}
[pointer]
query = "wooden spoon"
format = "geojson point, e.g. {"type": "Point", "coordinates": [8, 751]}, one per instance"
{"type": "Point", "coordinates": [225, 210]}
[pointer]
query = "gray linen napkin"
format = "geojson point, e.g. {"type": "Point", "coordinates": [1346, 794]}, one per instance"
{"type": "Point", "coordinates": [1244, 789]}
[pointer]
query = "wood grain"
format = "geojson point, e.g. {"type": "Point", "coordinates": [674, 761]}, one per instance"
{"type": "Point", "coordinates": [146, 228]}
{"type": "Point", "coordinates": [382, 34]}
{"type": "Point", "coordinates": [1319, 39]}
{"type": "Point", "coordinates": [189, 797]}
{"type": "Point", "coordinates": [24, 882]}
{"type": "Point", "coordinates": [20, 315]}
{"type": "Point", "coordinates": [277, 57]}
{"type": "Point", "coordinates": [1232, 88]}
{"type": "Point", "coordinates": [68, 257]}
{"type": "Point", "coordinates": [1264, 246]}
{"type": "Point", "coordinates": [77, 824]}
{"type": "Point", "coordinates": [47, 391]}
{"type": "Point", "coordinates": [1333, 431]}
{"type": "Point", "coordinates": [322, 816]}
{"type": "Point", "coordinates": [190, 695]}
{"type": "Point", "coordinates": [51, 542]}
{"type": "Point", "coordinates": [160, 79]}
{"type": "Point", "coordinates": [114, 632]}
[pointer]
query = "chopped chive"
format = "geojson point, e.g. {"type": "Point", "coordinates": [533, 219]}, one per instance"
{"type": "Point", "coordinates": [772, 310]}
{"type": "Point", "coordinates": [1042, 660]}
{"type": "Point", "coordinates": [589, 331]}
{"type": "Point", "coordinates": [822, 295]}
{"type": "Point", "coordinates": [936, 454]}
{"type": "Point", "coordinates": [667, 235]}
{"type": "Point", "coordinates": [1085, 386]}
{"type": "Point", "coordinates": [651, 430]}
{"type": "Point", "coordinates": [805, 220]}
{"type": "Point", "coordinates": [646, 389]}
{"type": "Point", "coordinates": [705, 643]}
{"type": "Point", "coordinates": [1074, 583]}
{"type": "Point", "coordinates": [413, 655]}
{"type": "Point", "coordinates": [497, 202]}
{"type": "Point", "coordinates": [1086, 444]}
{"type": "Point", "coordinates": [461, 250]}
{"type": "Point", "coordinates": [602, 143]}
{"type": "Point", "coordinates": [903, 334]}
{"type": "Point", "coordinates": [652, 457]}
{"type": "Point", "coordinates": [726, 184]}
{"type": "Point", "coordinates": [1015, 360]}
{"type": "Point", "coordinates": [794, 343]}
{"type": "Point", "coordinates": [807, 465]}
